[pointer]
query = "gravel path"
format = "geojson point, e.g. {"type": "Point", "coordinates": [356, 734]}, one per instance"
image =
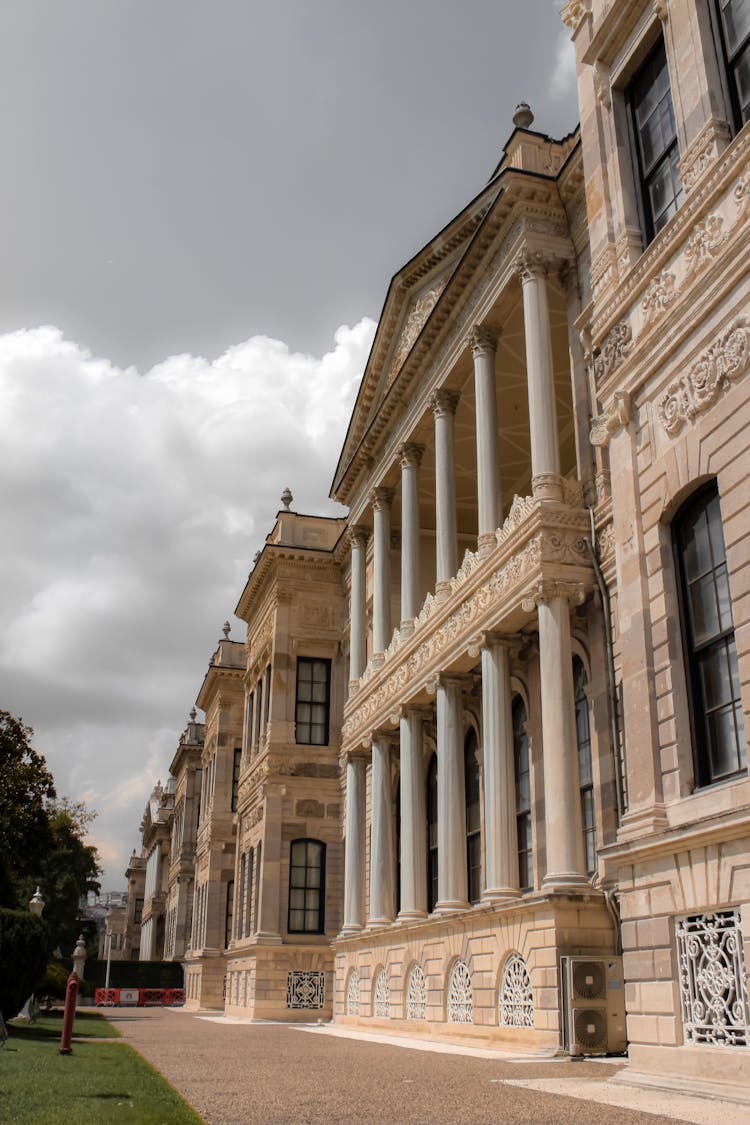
{"type": "Point", "coordinates": [267, 1074]}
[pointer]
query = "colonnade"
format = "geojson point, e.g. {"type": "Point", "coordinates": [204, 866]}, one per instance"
{"type": "Point", "coordinates": [564, 846]}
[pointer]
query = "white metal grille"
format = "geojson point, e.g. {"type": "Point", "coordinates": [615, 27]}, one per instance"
{"type": "Point", "coordinates": [415, 994]}
{"type": "Point", "coordinates": [460, 1008]}
{"type": "Point", "coordinates": [305, 990]}
{"type": "Point", "coordinates": [382, 1007]}
{"type": "Point", "coordinates": [713, 989]}
{"type": "Point", "coordinates": [516, 1001]}
{"type": "Point", "coordinates": [352, 994]}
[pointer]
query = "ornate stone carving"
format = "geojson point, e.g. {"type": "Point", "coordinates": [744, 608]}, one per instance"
{"type": "Point", "coordinates": [381, 1005]}
{"type": "Point", "coordinates": [658, 297]}
{"type": "Point", "coordinates": [352, 994]}
{"type": "Point", "coordinates": [703, 152]}
{"type": "Point", "coordinates": [357, 536]}
{"type": "Point", "coordinates": [693, 393]}
{"type": "Point", "coordinates": [612, 350]}
{"type": "Point", "coordinates": [741, 193]}
{"type": "Point", "coordinates": [416, 994]}
{"type": "Point", "coordinates": [413, 325]}
{"type": "Point", "coordinates": [574, 13]}
{"type": "Point", "coordinates": [305, 990]}
{"type": "Point", "coordinates": [516, 1000]}
{"type": "Point", "coordinates": [616, 416]}
{"type": "Point", "coordinates": [606, 543]}
{"type": "Point", "coordinates": [520, 510]}
{"type": "Point", "coordinates": [381, 498]}
{"type": "Point", "coordinates": [409, 454]}
{"type": "Point", "coordinates": [546, 590]}
{"type": "Point", "coordinates": [530, 264]}
{"type": "Point", "coordinates": [704, 243]}
{"type": "Point", "coordinates": [661, 10]}
{"type": "Point", "coordinates": [482, 341]}
{"type": "Point", "coordinates": [601, 84]}
{"type": "Point", "coordinates": [443, 401]}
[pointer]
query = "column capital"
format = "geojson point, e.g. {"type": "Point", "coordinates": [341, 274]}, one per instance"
{"type": "Point", "coordinates": [443, 402]}
{"type": "Point", "coordinates": [356, 757]}
{"type": "Point", "coordinates": [454, 679]}
{"type": "Point", "coordinates": [410, 454]}
{"type": "Point", "coordinates": [381, 498]}
{"type": "Point", "coordinates": [513, 642]}
{"type": "Point", "coordinates": [357, 536]}
{"type": "Point", "coordinates": [385, 735]}
{"type": "Point", "coordinates": [547, 590]}
{"type": "Point", "coordinates": [482, 340]}
{"type": "Point", "coordinates": [530, 265]}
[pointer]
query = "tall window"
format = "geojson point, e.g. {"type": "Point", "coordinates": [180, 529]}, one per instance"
{"type": "Point", "coordinates": [655, 141]}
{"type": "Point", "coordinates": [307, 862]}
{"type": "Point", "coordinates": [236, 762]}
{"type": "Point", "coordinates": [734, 18]}
{"type": "Point", "coordinates": [313, 699]}
{"type": "Point", "coordinates": [229, 913]}
{"type": "Point", "coordinates": [708, 632]}
{"type": "Point", "coordinates": [432, 834]}
{"type": "Point", "coordinates": [523, 795]}
{"type": "Point", "coordinates": [397, 822]}
{"type": "Point", "coordinates": [585, 773]}
{"type": "Point", "coordinates": [473, 818]}
{"type": "Point", "coordinates": [138, 911]}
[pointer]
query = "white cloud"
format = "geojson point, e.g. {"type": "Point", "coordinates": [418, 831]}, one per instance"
{"type": "Point", "coordinates": [563, 78]}
{"type": "Point", "coordinates": [133, 506]}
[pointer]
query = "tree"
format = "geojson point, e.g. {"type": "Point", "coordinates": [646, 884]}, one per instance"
{"type": "Point", "coordinates": [23, 952]}
{"type": "Point", "coordinates": [26, 785]}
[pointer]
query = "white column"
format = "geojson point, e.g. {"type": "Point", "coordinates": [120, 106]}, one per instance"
{"type": "Point", "coordinates": [452, 883]}
{"type": "Point", "coordinates": [444, 403]}
{"type": "Point", "coordinates": [381, 599]}
{"type": "Point", "coordinates": [410, 457]}
{"type": "Point", "coordinates": [483, 347]}
{"type": "Point", "coordinates": [354, 847]}
{"type": "Point", "coordinates": [382, 903]}
{"type": "Point", "coordinates": [413, 819]}
{"type": "Point", "coordinates": [358, 606]}
{"type": "Point", "coordinates": [566, 864]}
{"type": "Point", "coordinates": [500, 838]}
{"type": "Point", "coordinates": [545, 452]}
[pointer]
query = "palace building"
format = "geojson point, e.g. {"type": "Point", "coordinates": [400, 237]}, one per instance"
{"type": "Point", "coordinates": [488, 733]}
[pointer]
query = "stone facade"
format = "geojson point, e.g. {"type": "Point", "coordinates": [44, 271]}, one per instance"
{"type": "Point", "coordinates": [526, 651]}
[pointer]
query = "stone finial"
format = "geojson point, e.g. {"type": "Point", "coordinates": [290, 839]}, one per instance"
{"type": "Point", "coordinates": [225, 630]}
{"type": "Point", "coordinates": [193, 715]}
{"type": "Point", "coordinates": [523, 118]}
{"type": "Point", "coordinates": [286, 498]}
{"type": "Point", "coordinates": [256, 556]}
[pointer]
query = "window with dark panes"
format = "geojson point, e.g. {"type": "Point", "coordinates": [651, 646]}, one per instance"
{"type": "Point", "coordinates": [720, 749]}
{"type": "Point", "coordinates": [432, 834]}
{"type": "Point", "coordinates": [306, 887]}
{"type": "Point", "coordinates": [655, 133]}
{"type": "Point", "coordinates": [313, 698]}
{"type": "Point", "coordinates": [229, 913]}
{"type": "Point", "coordinates": [473, 818]}
{"type": "Point", "coordinates": [523, 795]}
{"type": "Point", "coordinates": [236, 763]}
{"type": "Point", "coordinates": [138, 911]}
{"type": "Point", "coordinates": [734, 20]}
{"type": "Point", "coordinates": [585, 771]}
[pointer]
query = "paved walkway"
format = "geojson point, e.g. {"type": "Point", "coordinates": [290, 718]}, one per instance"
{"type": "Point", "coordinates": [239, 1073]}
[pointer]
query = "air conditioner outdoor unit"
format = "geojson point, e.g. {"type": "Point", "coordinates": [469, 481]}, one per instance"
{"type": "Point", "coordinates": [593, 1005]}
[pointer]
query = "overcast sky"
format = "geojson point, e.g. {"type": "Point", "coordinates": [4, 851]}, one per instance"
{"type": "Point", "coordinates": [202, 203]}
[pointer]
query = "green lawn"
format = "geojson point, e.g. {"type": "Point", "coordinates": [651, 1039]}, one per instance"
{"type": "Point", "coordinates": [97, 1084]}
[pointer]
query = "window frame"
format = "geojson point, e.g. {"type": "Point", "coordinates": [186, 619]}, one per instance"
{"type": "Point", "coordinates": [703, 775]}
{"type": "Point", "coordinates": [728, 63]}
{"type": "Point", "coordinates": [431, 820]}
{"type": "Point", "coordinates": [236, 770]}
{"type": "Point", "coordinates": [229, 913]}
{"type": "Point", "coordinates": [312, 660]}
{"type": "Point", "coordinates": [586, 789]}
{"type": "Point", "coordinates": [524, 817]}
{"type": "Point", "coordinates": [473, 835]}
{"type": "Point", "coordinates": [321, 889]}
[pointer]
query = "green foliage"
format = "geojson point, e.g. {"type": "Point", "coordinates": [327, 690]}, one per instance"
{"type": "Point", "coordinates": [23, 955]}
{"type": "Point", "coordinates": [25, 786]}
{"type": "Point", "coordinates": [53, 983]}
{"type": "Point", "coordinates": [86, 1025]}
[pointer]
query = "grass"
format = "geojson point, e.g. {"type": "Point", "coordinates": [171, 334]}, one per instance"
{"type": "Point", "coordinates": [97, 1084]}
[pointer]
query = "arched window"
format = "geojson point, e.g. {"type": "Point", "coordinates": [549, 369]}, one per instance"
{"type": "Point", "coordinates": [460, 1001]}
{"type": "Point", "coordinates": [473, 818]}
{"type": "Point", "coordinates": [586, 777]}
{"type": "Point", "coordinates": [381, 1006]}
{"type": "Point", "coordinates": [432, 834]}
{"type": "Point", "coordinates": [416, 994]}
{"type": "Point", "coordinates": [523, 795]}
{"type": "Point", "coordinates": [719, 746]}
{"type": "Point", "coordinates": [352, 994]}
{"type": "Point", "coordinates": [515, 1000]}
{"type": "Point", "coordinates": [307, 879]}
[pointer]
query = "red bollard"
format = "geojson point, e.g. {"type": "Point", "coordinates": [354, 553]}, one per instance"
{"type": "Point", "coordinates": [71, 995]}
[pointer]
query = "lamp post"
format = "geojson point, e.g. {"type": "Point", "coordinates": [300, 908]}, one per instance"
{"type": "Point", "coordinates": [37, 903]}
{"type": "Point", "coordinates": [108, 938]}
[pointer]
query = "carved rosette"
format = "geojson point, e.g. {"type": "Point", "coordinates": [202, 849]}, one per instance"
{"type": "Point", "coordinates": [443, 402]}
{"type": "Point", "coordinates": [482, 341]}
{"type": "Point", "coordinates": [617, 416]}
{"type": "Point", "coordinates": [725, 360]}
{"type": "Point", "coordinates": [612, 350]}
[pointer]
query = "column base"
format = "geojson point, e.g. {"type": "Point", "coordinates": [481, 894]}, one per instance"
{"type": "Point", "coordinates": [264, 937]}
{"type": "Point", "coordinates": [566, 881]}
{"type": "Point", "coordinates": [351, 929]}
{"type": "Point", "coordinates": [378, 923]}
{"type": "Point", "coordinates": [406, 627]}
{"type": "Point", "coordinates": [451, 906]}
{"type": "Point", "coordinates": [411, 916]}
{"type": "Point", "coordinates": [643, 822]}
{"type": "Point", "coordinates": [547, 486]}
{"type": "Point", "coordinates": [501, 894]}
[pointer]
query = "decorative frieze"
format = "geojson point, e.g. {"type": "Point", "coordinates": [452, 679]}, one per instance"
{"type": "Point", "coordinates": [415, 321]}
{"type": "Point", "coordinates": [704, 244]}
{"type": "Point", "coordinates": [658, 297]}
{"type": "Point", "coordinates": [612, 350]}
{"type": "Point", "coordinates": [618, 415]}
{"type": "Point", "coordinates": [693, 393]}
{"type": "Point", "coordinates": [703, 152]}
